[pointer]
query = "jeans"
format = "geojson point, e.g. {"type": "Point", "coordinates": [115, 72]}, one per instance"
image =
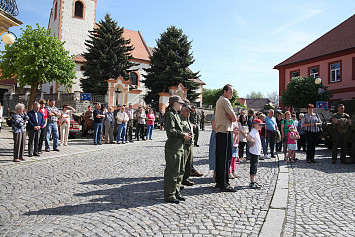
{"type": "Point", "coordinates": [97, 132]}
{"type": "Point", "coordinates": [52, 128]}
{"type": "Point", "coordinates": [121, 134]}
{"type": "Point", "coordinates": [149, 131]}
{"type": "Point", "coordinates": [264, 144]}
{"type": "Point", "coordinates": [270, 139]}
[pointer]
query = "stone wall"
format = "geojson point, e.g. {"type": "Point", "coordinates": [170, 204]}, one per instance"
{"type": "Point", "coordinates": [72, 99]}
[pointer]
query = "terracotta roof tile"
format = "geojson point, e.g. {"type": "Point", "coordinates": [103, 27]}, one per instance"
{"type": "Point", "coordinates": [338, 39]}
{"type": "Point", "coordinates": [140, 49]}
{"type": "Point", "coordinates": [79, 58]}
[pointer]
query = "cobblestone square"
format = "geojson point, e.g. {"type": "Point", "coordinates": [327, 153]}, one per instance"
{"type": "Point", "coordinates": [116, 190]}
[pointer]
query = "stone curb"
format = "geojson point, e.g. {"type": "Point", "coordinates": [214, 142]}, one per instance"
{"type": "Point", "coordinates": [275, 217]}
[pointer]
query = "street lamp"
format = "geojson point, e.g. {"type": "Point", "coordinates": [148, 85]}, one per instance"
{"type": "Point", "coordinates": [320, 90]}
{"type": "Point", "coordinates": [9, 38]}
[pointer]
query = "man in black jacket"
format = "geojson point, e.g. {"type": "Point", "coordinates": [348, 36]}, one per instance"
{"type": "Point", "coordinates": [34, 126]}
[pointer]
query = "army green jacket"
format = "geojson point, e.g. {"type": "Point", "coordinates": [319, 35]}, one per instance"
{"type": "Point", "coordinates": [195, 118]}
{"type": "Point", "coordinates": [174, 130]}
{"type": "Point", "coordinates": [187, 128]}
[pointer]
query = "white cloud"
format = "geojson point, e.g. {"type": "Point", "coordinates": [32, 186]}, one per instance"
{"type": "Point", "coordinates": [301, 14]}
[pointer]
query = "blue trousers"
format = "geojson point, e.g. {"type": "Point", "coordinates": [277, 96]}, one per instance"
{"type": "Point", "coordinates": [149, 131]}
{"type": "Point", "coordinates": [264, 144]}
{"type": "Point", "coordinates": [121, 134]}
{"type": "Point", "coordinates": [97, 132]}
{"type": "Point", "coordinates": [52, 128]}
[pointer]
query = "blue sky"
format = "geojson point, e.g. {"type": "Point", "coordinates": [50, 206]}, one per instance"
{"type": "Point", "coordinates": [237, 42]}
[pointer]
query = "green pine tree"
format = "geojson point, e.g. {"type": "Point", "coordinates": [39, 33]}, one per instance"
{"type": "Point", "coordinates": [169, 66]}
{"type": "Point", "coordinates": [108, 56]}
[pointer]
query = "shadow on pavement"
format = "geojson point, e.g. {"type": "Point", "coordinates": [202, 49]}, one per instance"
{"type": "Point", "coordinates": [132, 193]}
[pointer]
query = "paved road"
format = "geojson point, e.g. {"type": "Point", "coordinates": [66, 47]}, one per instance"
{"type": "Point", "coordinates": [117, 191]}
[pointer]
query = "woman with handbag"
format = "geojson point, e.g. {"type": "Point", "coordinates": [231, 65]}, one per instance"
{"type": "Point", "coordinates": [312, 124]}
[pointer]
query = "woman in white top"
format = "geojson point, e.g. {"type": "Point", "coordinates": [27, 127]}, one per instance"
{"type": "Point", "coordinates": [65, 124]}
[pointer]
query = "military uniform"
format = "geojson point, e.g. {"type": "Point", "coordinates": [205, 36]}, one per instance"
{"type": "Point", "coordinates": [174, 155]}
{"type": "Point", "coordinates": [195, 120]}
{"type": "Point", "coordinates": [340, 137]}
{"type": "Point", "coordinates": [188, 151]}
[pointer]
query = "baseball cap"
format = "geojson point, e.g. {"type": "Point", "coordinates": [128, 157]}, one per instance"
{"type": "Point", "coordinates": [258, 121]}
{"type": "Point", "coordinates": [291, 126]}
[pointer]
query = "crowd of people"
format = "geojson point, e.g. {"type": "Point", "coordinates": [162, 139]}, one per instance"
{"type": "Point", "coordinates": [261, 136]}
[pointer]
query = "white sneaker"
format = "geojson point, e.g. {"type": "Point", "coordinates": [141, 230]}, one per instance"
{"type": "Point", "coordinates": [230, 176]}
{"type": "Point", "coordinates": [60, 144]}
{"type": "Point", "coordinates": [65, 144]}
{"type": "Point", "coordinates": [266, 157]}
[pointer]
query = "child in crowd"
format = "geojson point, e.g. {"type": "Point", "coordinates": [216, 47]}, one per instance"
{"type": "Point", "coordinates": [255, 150]}
{"type": "Point", "coordinates": [263, 133]}
{"type": "Point", "coordinates": [232, 173]}
{"type": "Point", "coordinates": [292, 144]}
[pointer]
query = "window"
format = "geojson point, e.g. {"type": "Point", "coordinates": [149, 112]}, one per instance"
{"type": "Point", "coordinates": [55, 10]}
{"type": "Point", "coordinates": [133, 77]}
{"type": "Point", "coordinates": [82, 68]}
{"type": "Point", "coordinates": [335, 72]}
{"type": "Point", "coordinates": [295, 74]}
{"type": "Point", "coordinates": [79, 9]}
{"type": "Point", "coordinates": [313, 72]}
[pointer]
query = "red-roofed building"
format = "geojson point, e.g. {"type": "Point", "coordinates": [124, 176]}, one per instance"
{"type": "Point", "coordinates": [70, 21]}
{"type": "Point", "coordinates": [331, 58]}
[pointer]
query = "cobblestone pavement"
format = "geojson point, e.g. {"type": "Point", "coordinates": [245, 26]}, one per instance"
{"type": "Point", "coordinates": [118, 192]}
{"type": "Point", "coordinates": [321, 198]}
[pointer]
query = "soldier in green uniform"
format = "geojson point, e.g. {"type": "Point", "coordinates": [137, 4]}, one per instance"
{"type": "Point", "coordinates": [341, 123]}
{"type": "Point", "coordinates": [195, 120]}
{"type": "Point", "coordinates": [188, 152]}
{"type": "Point", "coordinates": [174, 152]}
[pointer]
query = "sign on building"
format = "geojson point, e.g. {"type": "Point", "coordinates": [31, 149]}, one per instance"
{"type": "Point", "coordinates": [86, 96]}
{"type": "Point", "coordinates": [322, 105]}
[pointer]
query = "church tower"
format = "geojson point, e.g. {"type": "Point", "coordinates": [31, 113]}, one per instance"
{"type": "Point", "coordinates": [70, 21]}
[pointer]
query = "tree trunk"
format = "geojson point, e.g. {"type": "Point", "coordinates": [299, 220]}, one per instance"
{"type": "Point", "coordinates": [32, 99]}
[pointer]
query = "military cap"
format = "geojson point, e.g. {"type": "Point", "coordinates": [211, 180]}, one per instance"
{"type": "Point", "coordinates": [175, 98]}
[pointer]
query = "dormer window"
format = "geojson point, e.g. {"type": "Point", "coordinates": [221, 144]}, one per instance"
{"type": "Point", "coordinates": [79, 9]}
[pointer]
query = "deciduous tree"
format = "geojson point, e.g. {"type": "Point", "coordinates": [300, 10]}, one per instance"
{"type": "Point", "coordinates": [301, 91]}
{"type": "Point", "coordinates": [210, 96]}
{"type": "Point", "coordinates": [37, 58]}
